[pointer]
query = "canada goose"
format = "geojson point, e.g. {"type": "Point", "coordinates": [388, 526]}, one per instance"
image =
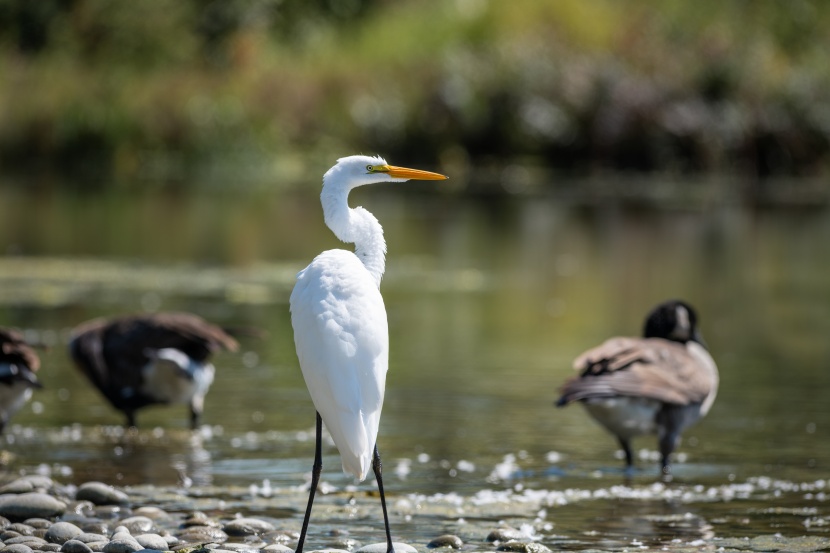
{"type": "Point", "coordinates": [659, 384]}
{"type": "Point", "coordinates": [18, 364]}
{"type": "Point", "coordinates": [143, 360]}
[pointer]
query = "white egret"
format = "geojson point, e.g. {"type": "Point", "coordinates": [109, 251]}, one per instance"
{"type": "Point", "coordinates": [659, 384]}
{"type": "Point", "coordinates": [141, 360]}
{"type": "Point", "coordinates": [18, 365]}
{"type": "Point", "coordinates": [340, 328]}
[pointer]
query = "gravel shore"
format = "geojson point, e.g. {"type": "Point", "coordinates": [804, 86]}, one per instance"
{"type": "Point", "coordinates": [39, 514]}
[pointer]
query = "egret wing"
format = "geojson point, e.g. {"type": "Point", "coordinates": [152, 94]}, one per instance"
{"type": "Point", "coordinates": [342, 340]}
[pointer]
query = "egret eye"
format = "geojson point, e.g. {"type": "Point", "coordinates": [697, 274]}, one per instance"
{"type": "Point", "coordinates": [370, 168]}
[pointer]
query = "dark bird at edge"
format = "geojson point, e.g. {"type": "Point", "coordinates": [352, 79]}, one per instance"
{"type": "Point", "coordinates": [18, 365]}
{"type": "Point", "coordinates": [142, 360]}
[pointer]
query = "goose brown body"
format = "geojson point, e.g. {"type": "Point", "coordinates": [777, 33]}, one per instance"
{"type": "Point", "coordinates": [136, 361]}
{"type": "Point", "coordinates": [659, 384]}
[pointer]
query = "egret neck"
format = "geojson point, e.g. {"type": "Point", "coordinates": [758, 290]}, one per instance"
{"type": "Point", "coordinates": [354, 225]}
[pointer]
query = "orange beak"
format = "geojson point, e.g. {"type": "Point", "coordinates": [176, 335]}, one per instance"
{"type": "Point", "coordinates": [412, 174]}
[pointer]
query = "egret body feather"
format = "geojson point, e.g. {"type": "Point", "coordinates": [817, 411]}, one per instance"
{"type": "Point", "coordinates": [340, 328]}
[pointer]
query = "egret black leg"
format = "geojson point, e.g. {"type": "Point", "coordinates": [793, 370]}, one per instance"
{"type": "Point", "coordinates": [377, 468]}
{"type": "Point", "coordinates": [315, 478]}
{"type": "Point", "coordinates": [131, 419]}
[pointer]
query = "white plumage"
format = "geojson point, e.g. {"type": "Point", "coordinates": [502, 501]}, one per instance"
{"type": "Point", "coordinates": [339, 320]}
{"type": "Point", "coordinates": [343, 346]}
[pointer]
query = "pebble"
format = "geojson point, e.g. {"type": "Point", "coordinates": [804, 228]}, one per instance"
{"type": "Point", "coordinates": [17, 548]}
{"type": "Point", "coordinates": [137, 524]}
{"type": "Point", "coordinates": [21, 485]}
{"type": "Point", "coordinates": [277, 547]}
{"type": "Point", "coordinates": [381, 548]}
{"type": "Point", "coordinates": [247, 527]}
{"type": "Point", "coordinates": [447, 540]}
{"type": "Point", "coordinates": [89, 537]}
{"type": "Point", "coordinates": [151, 541]}
{"type": "Point", "coordinates": [39, 482]}
{"type": "Point", "coordinates": [101, 494]}
{"type": "Point", "coordinates": [200, 534]}
{"type": "Point", "coordinates": [96, 527]}
{"type": "Point", "coordinates": [38, 523]}
{"type": "Point", "coordinates": [345, 542]}
{"type": "Point", "coordinates": [31, 541]}
{"type": "Point", "coordinates": [122, 535]}
{"type": "Point", "coordinates": [75, 546]}
{"type": "Point", "coordinates": [21, 528]}
{"type": "Point", "coordinates": [198, 518]}
{"type": "Point", "coordinates": [154, 513]}
{"type": "Point", "coordinates": [18, 486]}
{"type": "Point", "coordinates": [240, 547]}
{"type": "Point", "coordinates": [523, 547]}
{"type": "Point", "coordinates": [504, 535]}
{"type": "Point", "coordinates": [30, 505]}
{"type": "Point", "coordinates": [122, 546]}
{"type": "Point", "coordinates": [61, 532]}
{"type": "Point", "coordinates": [281, 536]}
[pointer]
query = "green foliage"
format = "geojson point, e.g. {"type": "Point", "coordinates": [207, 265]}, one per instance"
{"type": "Point", "coordinates": [106, 87]}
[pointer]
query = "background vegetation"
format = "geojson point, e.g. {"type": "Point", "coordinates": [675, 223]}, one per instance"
{"type": "Point", "coordinates": [110, 91]}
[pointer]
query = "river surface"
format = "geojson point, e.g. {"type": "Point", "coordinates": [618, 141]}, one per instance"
{"type": "Point", "coordinates": [489, 299]}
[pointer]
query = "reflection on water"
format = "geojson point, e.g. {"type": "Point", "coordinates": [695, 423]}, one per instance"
{"type": "Point", "coordinates": [488, 303]}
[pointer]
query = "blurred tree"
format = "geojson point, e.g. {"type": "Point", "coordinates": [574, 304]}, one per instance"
{"type": "Point", "coordinates": [579, 85]}
{"type": "Point", "coordinates": [27, 24]}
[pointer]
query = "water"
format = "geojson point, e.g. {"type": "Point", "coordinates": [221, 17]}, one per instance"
{"type": "Point", "coordinates": [488, 301]}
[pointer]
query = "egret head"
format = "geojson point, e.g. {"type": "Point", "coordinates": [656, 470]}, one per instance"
{"type": "Point", "coordinates": [350, 172]}
{"type": "Point", "coordinates": [357, 225]}
{"type": "Point", "coordinates": [673, 320]}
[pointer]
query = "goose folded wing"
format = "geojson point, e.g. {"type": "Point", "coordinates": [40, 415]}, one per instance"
{"type": "Point", "coordinates": [651, 368]}
{"type": "Point", "coordinates": [183, 331]}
